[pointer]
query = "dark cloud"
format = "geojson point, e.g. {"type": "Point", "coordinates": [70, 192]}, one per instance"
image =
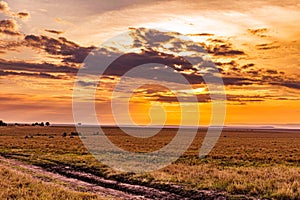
{"type": "Point", "coordinates": [72, 52]}
{"type": "Point", "coordinates": [213, 40]}
{"type": "Point", "coordinates": [267, 46]}
{"type": "Point", "coordinates": [223, 50]}
{"type": "Point", "coordinates": [239, 81]}
{"type": "Point", "coordinates": [9, 27]}
{"type": "Point", "coordinates": [163, 95]}
{"type": "Point", "coordinates": [249, 74]}
{"type": "Point", "coordinates": [233, 73]}
{"type": "Point", "coordinates": [289, 84]}
{"type": "Point", "coordinates": [247, 98]}
{"type": "Point", "coordinates": [219, 47]}
{"type": "Point", "coordinates": [270, 71]}
{"type": "Point", "coordinates": [86, 83]}
{"type": "Point", "coordinates": [128, 61]}
{"type": "Point", "coordinates": [261, 32]}
{"type": "Point", "coordinates": [36, 67]}
{"type": "Point", "coordinates": [201, 34]}
{"type": "Point", "coordinates": [233, 63]}
{"type": "Point", "coordinates": [38, 75]}
{"type": "Point", "coordinates": [153, 39]}
{"type": "Point", "coordinates": [22, 15]}
{"type": "Point", "coordinates": [54, 31]}
{"type": "Point", "coordinates": [247, 66]}
{"type": "Point", "coordinates": [202, 98]}
{"type": "Point", "coordinates": [149, 38]}
{"type": "Point", "coordinates": [10, 45]}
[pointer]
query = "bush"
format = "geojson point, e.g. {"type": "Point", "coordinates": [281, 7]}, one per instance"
{"type": "Point", "coordinates": [2, 123]}
{"type": "Point", "coordinates": [75, 134]}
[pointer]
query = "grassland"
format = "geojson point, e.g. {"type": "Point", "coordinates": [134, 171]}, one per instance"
{"type": "Point", "coordinates": [259, 164]}
{"type": "Point", "coordinates": [16, 184]}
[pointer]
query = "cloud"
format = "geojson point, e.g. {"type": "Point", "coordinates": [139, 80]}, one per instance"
{"type": "Point", "coordinates": [86, 83]}
{"type": "Point", "coordinates": [216, 40]}
{"type": "Point", "coordinates": [38, 75]}
{"type": "Point", "coordinates": [201, 34]}
{"type": "Point", "coordinates": [154, 39]}
{"type": "Point", "coordinates": [239, 81]}
{"type": "Point", "coordinates": [22, 15]}
{"type": "Point", "coordinates": [128, 61]}
{"type": "Point", "coordinates": [270, 71]}
{"type": "Point", "coordinates": [289, 84]}
{"type": "Point", "coordinates": [164, 95]}
{"type": "Point", "coordinates": [247, 66]}
{"type": "Point", "coordinates": [5, 9]}
{"type": "Point", "coordinates": [260, 32]}
{"type": "Point", "coordinates": [250, 74]}
{"type": "Point", "coordinates": [223, 50]}
{"type": "Point", "coordinates": [267, 46]}
{"type": "Point", "coordinates": [201, 98]}
{"type": "Point", "coordinates": [9, 45]}
{"type": "Point", "coordinates": [35, 68]}
{"type": "Point", "coordinates": [54, 31]}
{"type": "Point", "coordinates": [9, 27]}
{"type": "Point", "coordinates": [71, 51]}
{"type": "Point", "coordinates": [149, 38]}
{"type": "Point", "coordinates": [4, 6]}
{"type": "Point", "coordinates": [233, 73]}
{"type": "Point", "coordinates": [71, 54]}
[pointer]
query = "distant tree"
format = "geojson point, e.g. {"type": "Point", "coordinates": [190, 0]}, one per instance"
{"type": "Point", "coordinates": [64, 134]}
{"type": "Point", "coordinates": [75, 134]}
{"type": "Point", "coordinates": [2, 123]}
{"type": "Point", "coordinates": [42, 124]}
{"type": "Point", "coordinates": [47, 124]}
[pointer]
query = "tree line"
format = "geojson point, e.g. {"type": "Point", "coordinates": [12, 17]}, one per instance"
{"type": "Point", "coordinates": [2, 123]}
{"type": "Point", "coordinates": [40, 124]}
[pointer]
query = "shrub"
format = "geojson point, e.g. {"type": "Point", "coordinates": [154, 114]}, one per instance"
{"type": "Point", "coordinates": [2, 123]}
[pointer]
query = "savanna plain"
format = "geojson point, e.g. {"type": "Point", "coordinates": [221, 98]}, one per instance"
{"type": "Point", "coordinates": [244, 164]}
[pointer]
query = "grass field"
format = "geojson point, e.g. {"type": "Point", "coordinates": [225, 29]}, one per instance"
{"type": "Point", "coordinates": [20, 185]}
{"type": "Point", "coordinates": [244, 162]}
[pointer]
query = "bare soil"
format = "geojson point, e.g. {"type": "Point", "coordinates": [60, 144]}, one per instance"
{"type": "Point", "coordinates": [88, 182]}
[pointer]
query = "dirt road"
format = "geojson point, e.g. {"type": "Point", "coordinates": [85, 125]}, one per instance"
{"type": "Point", "coordinates": [111, 189]}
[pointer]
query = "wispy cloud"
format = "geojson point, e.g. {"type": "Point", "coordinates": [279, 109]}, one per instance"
{"type": "Point", "coordinates": [54, 31]}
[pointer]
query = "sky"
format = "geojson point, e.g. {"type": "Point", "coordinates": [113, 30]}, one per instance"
{"type": "Point", "coordinates": [253, 46]}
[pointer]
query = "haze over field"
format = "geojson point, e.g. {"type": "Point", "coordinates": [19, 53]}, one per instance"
{"type": "Point", "coordinates": [255, 46]}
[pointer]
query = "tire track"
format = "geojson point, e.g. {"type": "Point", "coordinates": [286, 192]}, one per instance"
{"type": "Point", "coordinates": [106, 187]}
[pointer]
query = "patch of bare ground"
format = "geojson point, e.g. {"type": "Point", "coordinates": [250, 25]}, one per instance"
{"type": "Point", "coordinates": [87, 182]}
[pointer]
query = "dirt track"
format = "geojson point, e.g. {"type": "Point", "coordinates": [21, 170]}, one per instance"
{"type": "Point", "coordinates": [110, 188]}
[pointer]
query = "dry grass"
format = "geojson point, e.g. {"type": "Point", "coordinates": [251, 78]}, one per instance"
{"type": "Point", "coordinates": [17, 185]}
{"type": "Point", "coordinates": [261, 164]}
